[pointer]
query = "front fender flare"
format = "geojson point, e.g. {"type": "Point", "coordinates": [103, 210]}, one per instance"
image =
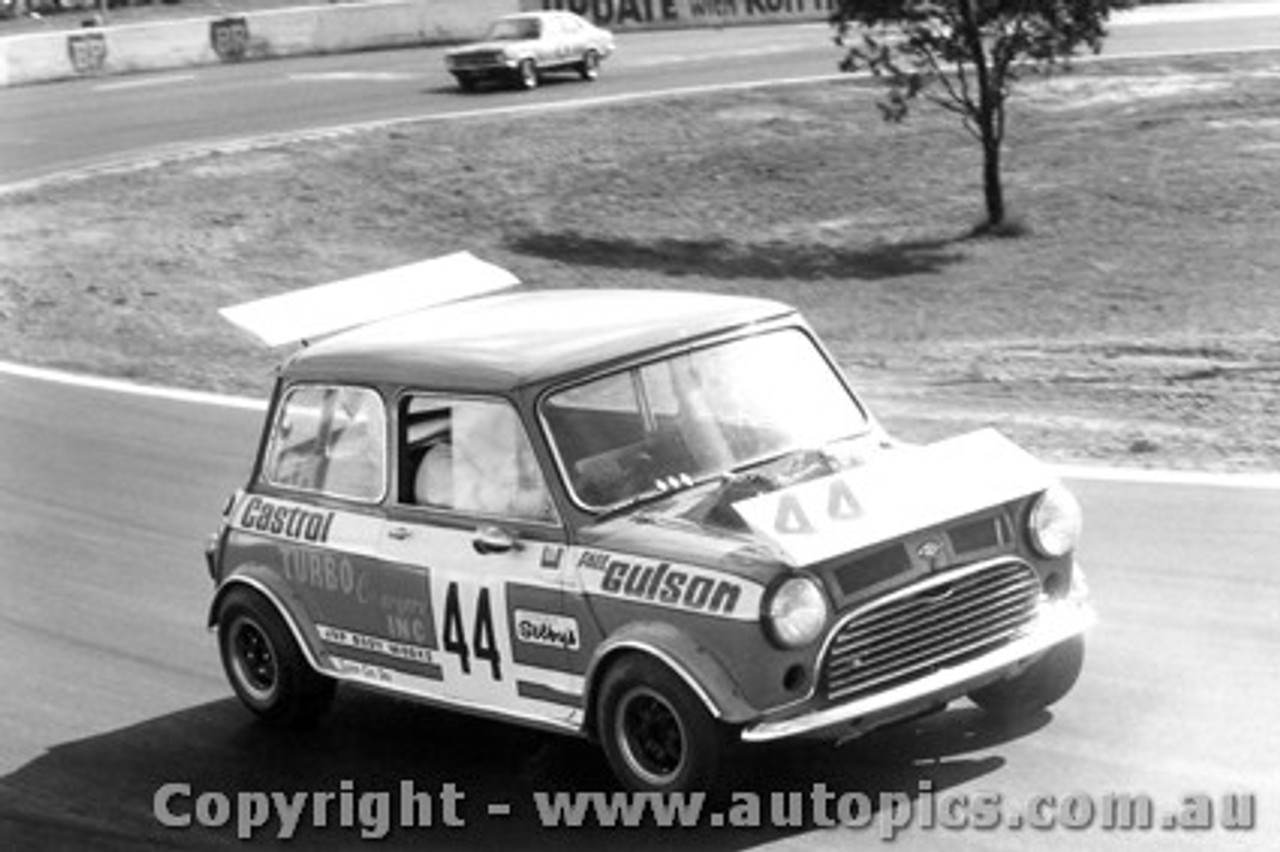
{"type": "Point", "coordinates": [700, 670]}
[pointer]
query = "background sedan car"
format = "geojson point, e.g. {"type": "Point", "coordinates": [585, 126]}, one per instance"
{"type": "Point", "coordinates": [521, 47]}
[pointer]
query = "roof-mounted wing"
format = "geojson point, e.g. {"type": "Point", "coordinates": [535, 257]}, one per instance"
{"type": "Point", "coordinates": [327, 308]}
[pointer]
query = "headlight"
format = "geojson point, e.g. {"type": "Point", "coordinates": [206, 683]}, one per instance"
{"type": "Point", "coordinates": [796, 613]}
{"type": "Point", "coordinates": [1055, 522]}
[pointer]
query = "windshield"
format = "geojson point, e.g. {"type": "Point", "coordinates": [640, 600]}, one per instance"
{"type": "Point", "coordinates": [513, 29]}
{"type": "Point", "coordinates": [671, 423]}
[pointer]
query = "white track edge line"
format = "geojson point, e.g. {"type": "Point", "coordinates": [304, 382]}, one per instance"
{"type": "Point", "coordinates": [1147, 476]}
{"type": "Point", "coordinates": [125, 387]}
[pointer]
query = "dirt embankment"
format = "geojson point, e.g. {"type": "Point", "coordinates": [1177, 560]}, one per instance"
{"type": "Point", "coordinates": [1137, 320]}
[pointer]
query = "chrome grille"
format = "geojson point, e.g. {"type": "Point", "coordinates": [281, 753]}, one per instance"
{"type": "Point", "coordinates": [945, 621]}
{"type": "Point", "coordinates": [478, 59]}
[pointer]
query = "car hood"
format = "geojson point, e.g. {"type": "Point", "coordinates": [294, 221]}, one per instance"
{"type": "Point", "coordinates": [889, 495]}
{"type": "Point", "coordinates": [896, 493]}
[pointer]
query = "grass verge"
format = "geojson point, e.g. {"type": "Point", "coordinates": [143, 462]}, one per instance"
{"type": "Point", "coordinates": [1135, 320]}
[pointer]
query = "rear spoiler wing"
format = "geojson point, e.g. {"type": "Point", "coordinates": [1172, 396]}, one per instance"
{"type": "Point", "coordinates": [302, 315]}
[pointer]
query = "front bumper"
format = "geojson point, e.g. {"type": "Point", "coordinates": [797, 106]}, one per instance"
{"type": "Point", "coordinates": [1056, 622]}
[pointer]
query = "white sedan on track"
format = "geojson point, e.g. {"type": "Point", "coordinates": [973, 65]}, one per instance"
{"type": "Point", "coordinates": [520, 48]}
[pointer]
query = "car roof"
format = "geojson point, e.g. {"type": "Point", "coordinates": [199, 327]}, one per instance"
{"type": "Point", "coordinates": [501, 342]}
{"type": "Point", "coordinates": [537, 15]}
{"type": "Point", "coordinates": [544, 13]}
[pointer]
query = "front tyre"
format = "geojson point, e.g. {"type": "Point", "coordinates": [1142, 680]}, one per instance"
{"type": "Point", "coordinates": [656, 733]}
{"type": "Point", "coordinates": [1042, 683]}
{"type": "Point", "coordinates": [527, 74]}
{"type": "Point", "coordinates": [266, 667]}
{"type": "Point", "coordinates": [589, 67]}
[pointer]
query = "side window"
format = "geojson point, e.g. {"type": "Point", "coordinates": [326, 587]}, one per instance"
{"type": "Point", "coordinates": [472, 456]}
{"type": "Point", "coordinates": [330, 440]}
{"type": "Point", "coordinates": [599, 428]}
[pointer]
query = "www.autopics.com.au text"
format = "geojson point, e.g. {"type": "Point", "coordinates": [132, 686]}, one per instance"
{"type": "Point", "coordinates": [376, 813]}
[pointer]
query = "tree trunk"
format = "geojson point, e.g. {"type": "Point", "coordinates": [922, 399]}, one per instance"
{"type": "Point", "coordinates": [990, 113]}
{"type": "Point", "coordinates": [991, 178]}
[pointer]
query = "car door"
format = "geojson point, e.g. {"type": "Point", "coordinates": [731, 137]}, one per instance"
{"type": "Point", "coordinates": [574, 37]}
{"type": "Point", "coordinates": [474, 522]}
{"type": "Point", "coordinates": [542, 42]}
{"type": "Point", "coordinates": [555, 48]}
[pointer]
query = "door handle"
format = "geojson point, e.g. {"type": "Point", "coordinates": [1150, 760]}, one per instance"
{"type": "Point", "coordinates": [491, 539]}
{"type": "Point", "coordinates": [399, 533]}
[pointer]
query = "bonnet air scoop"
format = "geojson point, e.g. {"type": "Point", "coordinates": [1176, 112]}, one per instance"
{"type": "Point", "coordinates": [313, 312]}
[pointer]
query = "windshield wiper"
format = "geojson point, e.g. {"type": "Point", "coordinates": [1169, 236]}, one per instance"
{"type": "Point", "coordinates": [665, 487]}
{"type": "Point", "coordinates": [805, 458]}
{"type": "Point", "coordinates": [744, 479]}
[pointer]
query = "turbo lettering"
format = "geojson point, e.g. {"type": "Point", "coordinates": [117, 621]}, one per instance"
{"type": "Point", "coordinates": [317, 569]}
{"type": "Point", "coordinates": [288, 521]}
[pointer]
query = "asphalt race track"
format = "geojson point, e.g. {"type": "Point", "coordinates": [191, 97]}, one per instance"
{"type": "Point", "coordinates": [110, 686]}
{"type": "Point", "coordinates": [92, 123]}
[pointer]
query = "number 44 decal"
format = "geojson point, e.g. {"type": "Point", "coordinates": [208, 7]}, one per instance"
{"type": "Point", "coordinates": [791, 518]}
{"type": "Point", "coordinates": [483, 646]}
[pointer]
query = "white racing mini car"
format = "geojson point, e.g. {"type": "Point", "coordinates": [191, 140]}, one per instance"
{"type": "Point", "coordinates": [660, 520]}
{"type": "Point", "coordinates": [520, 48]}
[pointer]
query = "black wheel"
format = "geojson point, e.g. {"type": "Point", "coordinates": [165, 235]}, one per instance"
{"type": "Point", "coordinates": [1044, 682]}
{"type": "Point", "coordinates": [527, 74]}
{"type": "Point", "coordinates": [265, 666]}
{"type": "Point", "coordinates": [656, 733]}
{"type": "Point", "coordinates": [589, 67]}
{"type": "Point", "coordinates": [466, 82]}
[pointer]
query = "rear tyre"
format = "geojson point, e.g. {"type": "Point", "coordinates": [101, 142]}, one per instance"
{"type": "Point", "coordinates": [1042, 683]}
{"type": "Point", "coordinates": [656, 733]}
{"type": "Point", "coordinates": [466, 82]}
{"type": "Point", "coordinates": [266, 667]}
{"type": "Point", "coordinates": [589, 67]}
{"type": "Point", "coordinates": [527, 74]}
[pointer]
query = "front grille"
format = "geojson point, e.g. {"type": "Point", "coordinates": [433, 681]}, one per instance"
{"type": "Point", "coordinates": [950, 619]}
{"type": "Point", "coordinates": [479, 59]}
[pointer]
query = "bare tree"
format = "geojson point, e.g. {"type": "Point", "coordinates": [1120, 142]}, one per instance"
{"type": "Point", "coordinates": [965, 56]}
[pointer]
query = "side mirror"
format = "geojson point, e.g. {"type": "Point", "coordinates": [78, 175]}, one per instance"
{"type": "Point", "coordinates": [491, 539]}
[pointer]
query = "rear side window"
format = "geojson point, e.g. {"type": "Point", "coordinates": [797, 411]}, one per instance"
{"type": "Point", "coordinates": [329, 440]}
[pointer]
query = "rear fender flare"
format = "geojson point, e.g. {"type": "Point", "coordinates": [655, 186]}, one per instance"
{"type": "Point", "coordinates": [268, 584]}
